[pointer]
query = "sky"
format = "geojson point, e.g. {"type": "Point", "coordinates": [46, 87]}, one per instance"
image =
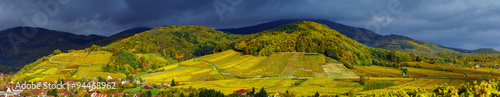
{"type": "Point", "coordinates": [467, 24]}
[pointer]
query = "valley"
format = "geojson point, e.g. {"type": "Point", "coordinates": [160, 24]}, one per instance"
{"type": "Point", "coordinates": [298, 59]}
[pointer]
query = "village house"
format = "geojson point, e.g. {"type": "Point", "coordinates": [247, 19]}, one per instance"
{"type": "Point", "coordinates": [106, 95]}
{"type": "Point", "coordinates": [241, 92]}
{"type": "Point", "coordinates": [279, 94]}
{"type": "Point", "coordinates": [23, 95]}
{"type": "Point", "coordinates": [94, 80]}
{"type": "Point", "coordinates": [165, 84]}
{"type": "Point", "coordinates": [70, 82]}
{"type": "Point", "coordinates": [118, 79]}
{"type": "Point", "coordinates": [8, 93]}
{"type": "Point", "coordinates": [124, 82]}
{"type": "Point", "coordinates": [109, 78]}
{"type": "Point", "coordinates": [147, 86]}
{"type": "Point", "coordinates": [39, 92]}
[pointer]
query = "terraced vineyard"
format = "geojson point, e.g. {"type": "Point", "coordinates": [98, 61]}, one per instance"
{"type": "Point", "coordinates": [232, 64]}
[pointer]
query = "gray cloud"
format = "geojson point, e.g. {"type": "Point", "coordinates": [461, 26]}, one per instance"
{"type": "Point", "coordinates": [459, 23]}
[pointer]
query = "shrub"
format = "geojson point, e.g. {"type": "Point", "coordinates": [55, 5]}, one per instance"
{"type": "Point", "coordinates": [57, 51]}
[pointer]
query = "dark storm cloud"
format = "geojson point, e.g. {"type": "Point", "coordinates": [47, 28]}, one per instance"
{"type": "Point", "coordinates": [462, 24]}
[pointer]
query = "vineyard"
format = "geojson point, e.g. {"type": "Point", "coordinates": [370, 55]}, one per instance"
{"type": "Point", "coordinates": [379, 71]}
{"type": "Point", "coordinates": [334, 70]}
{"type": "Point", "coordinates": [95, 71]}
{"type": "Point", "coordinates": [309, 87]}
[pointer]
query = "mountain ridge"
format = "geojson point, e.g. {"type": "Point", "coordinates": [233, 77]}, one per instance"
{"type": "Point", "coordinates": [43, 42]}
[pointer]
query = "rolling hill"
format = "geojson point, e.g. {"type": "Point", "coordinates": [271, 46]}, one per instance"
{"type": "Point", "coordinates": [361, 35]}
{"type": "Point", "coordinates": [402, 43]}
{"type": "Point", "coordinates": [364, 36]}
{"type": "Point", "coordinates": [142, 51]}
{"type": "Point", "coordinates": [45, 41]}
{"type": "Point", "coordinates": [486, 51]}
{"type": "Point", "coordinates": [307, 36]}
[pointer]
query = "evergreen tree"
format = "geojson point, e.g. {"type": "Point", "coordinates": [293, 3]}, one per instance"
{"type": "Point", "coordinates": [253, 91]}
{"type": "Point", "coordinates": [262, 93]}
{"type": "Point", "coordinates": [191, 94]}
{"type": "Point", "coordinates": [181, 95]}
{"type": "Point", "coordinates": [419, 59]}
{"type": "Point", "coordinates": [173, 83]}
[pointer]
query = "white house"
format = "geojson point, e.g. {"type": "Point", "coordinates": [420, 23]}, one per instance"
{"type": "Point", "coordinates": [109, 78]}
{"type": "Point", "coordinates": [124, 82]}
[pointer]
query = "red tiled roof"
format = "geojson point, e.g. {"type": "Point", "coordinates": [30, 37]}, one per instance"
{"type": "Point", "coordinates": [242, 91]}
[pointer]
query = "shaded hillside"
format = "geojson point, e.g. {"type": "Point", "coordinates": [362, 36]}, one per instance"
{"type": "Point", "coordinates": [187, 41]}
{"type": "Point", "coordinates": [43, 42]}
{"type": "Point", "coordinates": [486, 51]}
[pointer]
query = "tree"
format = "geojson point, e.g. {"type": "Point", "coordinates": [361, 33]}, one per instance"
{"type": "Point", "coordinates": [95, 48]}
{"type": "Point", "coordinates": [52, 92]}
{"type": "Point", "coordinates": [191, 94]}
{"type": "Point", "coordinates": [262, 93]}
{"type": "Point", "coordinates": [316, 95]}
{"type": "Point", "coordinates": [253, 91]}
{"type": "Point", "coordinates": [127, 85]}
{"type": "Point", "coordinates": [57, 51]}
{"type": "Point", "coordinates": [413, 57]}
{"type": "Point", "coordinates": [172, 83]}
{"type": "Point", "coordinates": [147, 94]}
{"type": "Point", "coordinates": [418, 59]}
{"type": "Point", "coordinates": [27, 92]}
{"type": "Point", "coordinates": [362, 80]}
{"type": "Point", "coordinates": [179, 55]}
{"type": "Point", "coordinates": [181, 95]}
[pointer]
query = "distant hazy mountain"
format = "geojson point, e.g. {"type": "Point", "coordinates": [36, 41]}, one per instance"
{"type": "Point", "coordinates": [120, 35]}
{"type": "Point", "coordinates": [406, 44]}
{"type": "Point", "coordinates": [44, 42]}
{"type": "Point", "coordinates": [41, 43]}
{"type": "Point", "coordinates": [485, 51]}
{"type": "Point", "coordinates": [132, 31]}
